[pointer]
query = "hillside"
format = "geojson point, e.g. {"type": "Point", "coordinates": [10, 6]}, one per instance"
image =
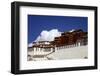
{"type": "Point", "coordinates": [79, 52]}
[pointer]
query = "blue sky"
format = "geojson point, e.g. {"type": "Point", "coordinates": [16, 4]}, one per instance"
{"type": "Point", "coordinates": [38, 23]}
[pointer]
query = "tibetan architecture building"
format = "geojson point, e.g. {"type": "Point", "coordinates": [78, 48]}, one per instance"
{"type": "Point", "coordinates": [74, 38]}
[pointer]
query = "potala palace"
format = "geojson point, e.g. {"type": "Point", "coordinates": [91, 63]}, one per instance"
{"type": "Point", "coordinates": [70, 45]}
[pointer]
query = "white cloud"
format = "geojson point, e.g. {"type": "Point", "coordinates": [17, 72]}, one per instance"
{"type": "Point", "coordinates": [48, 35]}
{"type": "Point", "coordinates": [72, 30]}
{"type": "Point", "coordinates": [30, 44]}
